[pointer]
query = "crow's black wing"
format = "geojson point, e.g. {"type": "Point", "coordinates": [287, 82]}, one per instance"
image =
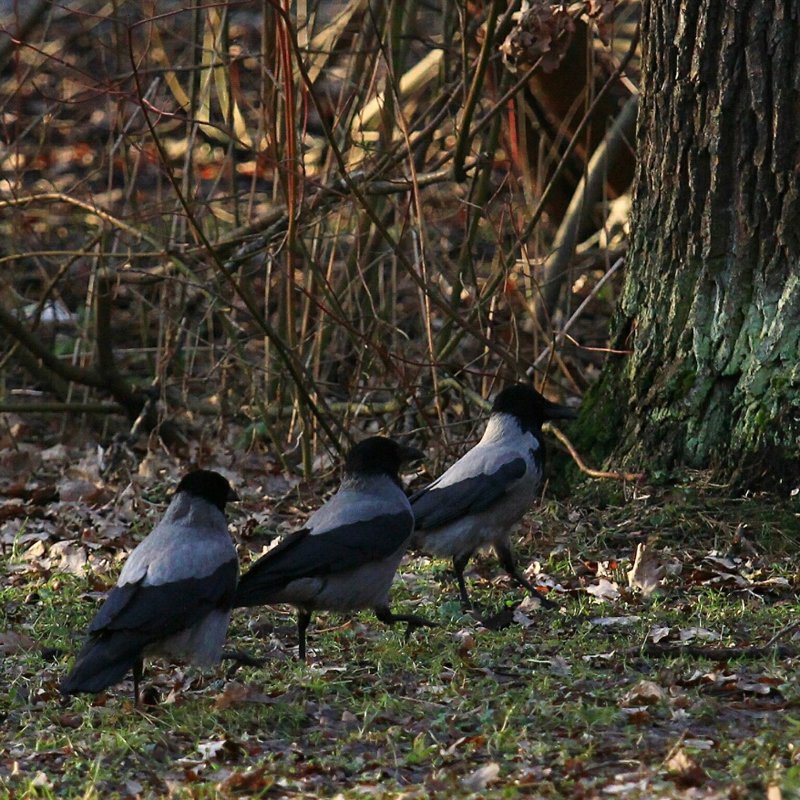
{"type": "Point", "coordinates": [135, 615]}
{"type": "Point", "coordinates": [306, 555]}
{"type": "Point", "coordinates": [159, 610]}
{"type": "Point", "coordinates": [439, 504]}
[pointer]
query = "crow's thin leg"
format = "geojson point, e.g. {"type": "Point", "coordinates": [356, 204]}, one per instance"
{"type": "Point", "coordinates": [385, 614]}
{"type": "Point", "coordinates": [459, 563]}
{"type": "Point", "coordinates": [138, 671]}
{"type": "Point", "coordinates": [506, 557]}
{"type": "Point", "coordinates": [303, 618]}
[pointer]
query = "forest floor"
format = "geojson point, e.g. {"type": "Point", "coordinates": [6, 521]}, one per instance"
{"type": "Point", "coordinates": [617, 694]}
{"type": "Point", "coordinates": [679, 680]}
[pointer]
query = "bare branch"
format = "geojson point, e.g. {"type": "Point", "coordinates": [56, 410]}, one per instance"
{"type": "Point", "coordinates": [592, 473]}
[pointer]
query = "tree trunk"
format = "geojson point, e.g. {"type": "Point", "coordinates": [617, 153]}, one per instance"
{"type": "Point", "coordinates": [711, 305]}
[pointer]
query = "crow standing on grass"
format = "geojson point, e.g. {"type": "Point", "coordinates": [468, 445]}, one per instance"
{"type": "Point", "coordinates": [477, 501]}
{"type": "Point", "coordinates": [346, 556]}
{"type": "Point", "coordinates": [173, 597]}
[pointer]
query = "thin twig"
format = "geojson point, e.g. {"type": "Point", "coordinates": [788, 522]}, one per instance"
{"type": "Point", "coordinates": [59, 197]}
{"type": "Point", "coordinates": [114, 385]}
{"type": "Point", "coordinates": [64, 370]}
{"type": "Point", "coordinates": [104, 340]}
{"type": "Point", "coordinates": [659, 650]}
{"type": "Point", "coordinates": [586, 194]}
{"type": "Point", "coordinates": [35, 407]}
{"type": "Point", "coordinates": [561, 335]}
{"type": "Point", "coordinates": [592, 473]}
{"type": "Point", "coordinates": [782, 632]}
{"type": "Point", "coordinates": [382, 229]}
{"type": "Point", "coordinates": [475, 89]}
{"type": "Point", "coordinates": [16, 38]}
{"type": "Point", "coordinates": [36, 369]}
{"type": "Point", "coordinates": [292, 364]}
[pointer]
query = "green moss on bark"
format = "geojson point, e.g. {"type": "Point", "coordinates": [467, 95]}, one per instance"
{"type": "Point", "coordinates": [712, 291]}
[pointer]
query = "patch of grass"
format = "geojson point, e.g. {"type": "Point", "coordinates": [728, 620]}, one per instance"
{"type": "Point", "coordinates": [539, 707]}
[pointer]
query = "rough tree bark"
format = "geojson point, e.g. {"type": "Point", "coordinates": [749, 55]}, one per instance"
{"type": "Point", "coordinates": [711, 305]}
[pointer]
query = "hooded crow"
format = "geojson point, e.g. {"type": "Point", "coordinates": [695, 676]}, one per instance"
{"type": "Point", "coordinates": [174, 594]}
{"type": "Point", "coordinates": [347, 554]}
{"type": "Point", "coordinates": [477, 501]}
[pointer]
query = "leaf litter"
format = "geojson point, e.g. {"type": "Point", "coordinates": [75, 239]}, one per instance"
{"type": "Point", "coordinates": [371, 713]}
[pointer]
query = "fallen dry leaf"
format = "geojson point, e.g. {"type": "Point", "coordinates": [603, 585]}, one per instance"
{"type": "Point", "coordinates": [236, 694]}
{"type": "Point", "coordinates": [627, 787]}
{"type": "Point", "coordinates": [251, 781]}
{"type": "Point", "coordinates": [690, 634]}
{"type": "Point", "coordinates": [659, 632]}
{"type": "Point", "coordinates": [12, 510]}
{"type": "Point", "coordinates": [541, 33]}
{"type": "Point", "coordinates": [637, 715]}
{"type": "Point", "coordinates": [522, 613]}
{"type": "Point", "coordinates": [717, 572]}
{"type": "Point", "coordinates": [322, 669]}
{"type": "Point", "coordinates": [522, 619]}
{"type": "Point", "coordinates": [477, 781]}
{"type": "Point", "coordinates": [761, 686]}
{"type": "Point", "coordinates": [17, 461]}
{"type": "Point", "coordinates": [610, 622]}
{"type": "Point", "coordinates": [220, 749]}
{"type": "Point", "coordinates": [724, 564]}
{"type": "Point", "coordinates": [699, 744]}
{"type": "Point", "coordinates": [684, 770]}
{"type": "Point", "coordinates": [734, 683]}
{"type": "Point", "coordinates": [644, 693]}
{"type": "Point", "coordinates": [41, 781]}
{"type": "Point", "coordinates": [560, 666]}
{"type": "Point", "coordinates": [604, 589]}
{"type": "Point", "coordinates": [57, 453]}
{"type": "Point", "coordinates": [646, 572]}
{"type": "Point", "coordinates": [12, 642]}
{"type": "Point", "coordinates": [77, 490]}
{"type": "Point", "coordinates": [73, 557]}
{"type": "Point", "coordinates": [599, 656]}
{"type": "Point", "coordinates": [34, 552]}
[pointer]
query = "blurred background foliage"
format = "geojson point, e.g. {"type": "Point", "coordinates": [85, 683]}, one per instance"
{"type": "Point", "coordinates": [286, 224]}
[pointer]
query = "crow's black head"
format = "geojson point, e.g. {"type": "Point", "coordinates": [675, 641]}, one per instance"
{"type": "Point", "coordinates": [529, 407]}
{"type": "Point", "coordinates": [380, 456]}
{"type": "Point", "coordinates": [208, 485]}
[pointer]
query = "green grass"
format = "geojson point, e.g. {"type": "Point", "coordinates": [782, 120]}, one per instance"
{"type": "Point", "coordinates": [373, 715]}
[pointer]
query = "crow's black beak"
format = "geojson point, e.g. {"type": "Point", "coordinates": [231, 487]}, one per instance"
{"type": "Point", "coordinates": [232, 496]}
{"type": "Point", "coordinates": [556, 411]}
{"type": "Point", "coordinates": [410, 456]}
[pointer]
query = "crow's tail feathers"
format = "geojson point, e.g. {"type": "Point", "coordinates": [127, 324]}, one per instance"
{"type": "Point", "coordinates": [103, 661]}
{"type": "Point", "coordinates": [257, 588]}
